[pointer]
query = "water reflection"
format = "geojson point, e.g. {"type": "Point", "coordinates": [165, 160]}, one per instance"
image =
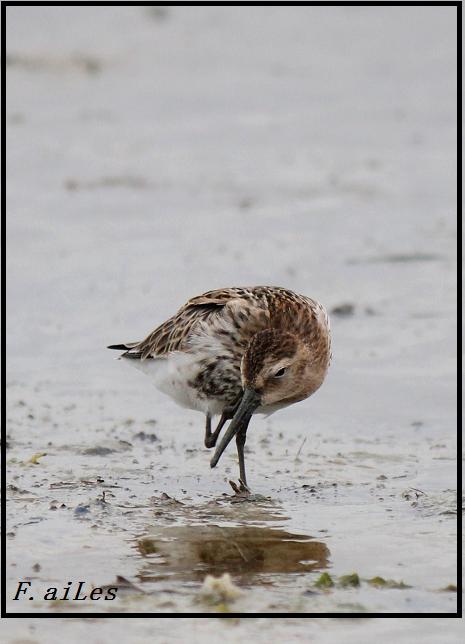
{"type": "Point", "coordinates": [191, 552]}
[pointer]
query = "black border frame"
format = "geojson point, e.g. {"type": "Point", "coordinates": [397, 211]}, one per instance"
{"type": "Point", "coordinates": [96, 615]}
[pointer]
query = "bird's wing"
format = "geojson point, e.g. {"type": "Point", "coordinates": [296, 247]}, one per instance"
{"type": "Point", "coordinates": [172, 334]}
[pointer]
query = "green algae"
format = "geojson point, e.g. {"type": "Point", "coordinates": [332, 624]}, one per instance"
{"type": "Point", "coordinates": [347, 581]}
{"type": "Point", "coordinates": [324, 581]}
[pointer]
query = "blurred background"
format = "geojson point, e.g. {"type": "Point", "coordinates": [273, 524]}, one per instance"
{"type": "Point", "coordinates": [154, 153]}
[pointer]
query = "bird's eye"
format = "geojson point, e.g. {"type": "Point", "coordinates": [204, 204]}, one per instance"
{"type": "Point", "coordinates": [280, 373]}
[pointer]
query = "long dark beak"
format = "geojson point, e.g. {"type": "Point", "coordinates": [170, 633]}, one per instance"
{"type": "Point", "coordinates": [249, 403]}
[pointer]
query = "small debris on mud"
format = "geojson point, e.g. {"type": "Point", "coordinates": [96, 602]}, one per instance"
{"type": "Point", "coordinates": [34, 460]}
{"type": "Point", "coordinates": [145, 436]}
{"type": "Point", "coordinates": [217, 590]}
{"type": "Point", "coordinates": [343, 310]}
{"type": "Point", "coordinates": [81, 510]}
{"type": "Point", "coordinates": [164, 500]}
{"type": "Point", "coordinates": [16, 490]}
{"type": "Point", "coordinates": [411, 493]}
{"type": "Point", "coordinates": [105, 450]}
{"type": "Point", "coordinates": [98, 451]}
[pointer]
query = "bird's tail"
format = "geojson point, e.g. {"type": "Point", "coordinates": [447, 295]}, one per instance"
{"type": "Point", "coordinates": [127, 348]}
{"type": "Point", "coordinates": [123, 347]}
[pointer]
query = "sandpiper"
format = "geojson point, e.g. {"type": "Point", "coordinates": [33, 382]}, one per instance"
{"type": "Point", "coordinates": [234, 352]}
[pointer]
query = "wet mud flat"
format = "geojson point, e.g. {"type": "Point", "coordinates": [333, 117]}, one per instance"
{"type": "Point", "coordinates": [138, 509]}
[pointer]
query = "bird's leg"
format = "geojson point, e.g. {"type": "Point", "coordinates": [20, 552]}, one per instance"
{"type": "Point", "coordinates": [242, 490]}
{"type": "Point", "coordinates": [240, 442]}
{"type": "Point", "coordinates": [208, 429]}
{"type": "Point", "coordinates": [211, 438]}
{"type": "Point", "coordinates": [211, 441]}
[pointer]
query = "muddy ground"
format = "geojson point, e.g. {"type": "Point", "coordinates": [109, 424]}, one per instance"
{"type": "Point", "coordinates": [153, 154]}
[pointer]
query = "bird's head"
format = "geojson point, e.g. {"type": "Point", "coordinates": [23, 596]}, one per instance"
{"type": "Point", "coordinates": [278, 367]}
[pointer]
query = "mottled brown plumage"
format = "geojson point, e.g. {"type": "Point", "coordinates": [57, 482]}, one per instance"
{"type": "Point", "coordinates": [264, 340]}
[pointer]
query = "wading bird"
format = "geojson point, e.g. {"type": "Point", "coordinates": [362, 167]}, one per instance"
{"type": "Point", "coordinates": [234, 352]}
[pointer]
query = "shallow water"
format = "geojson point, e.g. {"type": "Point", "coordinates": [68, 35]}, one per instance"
{"type": "Point", "coordinates": [191, 552]}
{"type": "Point", "coordinates": [153, 156]}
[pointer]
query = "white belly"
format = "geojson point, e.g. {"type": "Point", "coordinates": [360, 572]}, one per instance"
{"type": "Point", "coordinates": [172, 374]}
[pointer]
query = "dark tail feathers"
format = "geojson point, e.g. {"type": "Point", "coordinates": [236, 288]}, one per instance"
{"type": "Point", "coordinates": [127, 347]}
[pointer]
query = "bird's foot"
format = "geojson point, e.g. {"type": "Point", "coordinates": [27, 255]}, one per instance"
{"type": "Point", "coordinates": [241, 490]}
